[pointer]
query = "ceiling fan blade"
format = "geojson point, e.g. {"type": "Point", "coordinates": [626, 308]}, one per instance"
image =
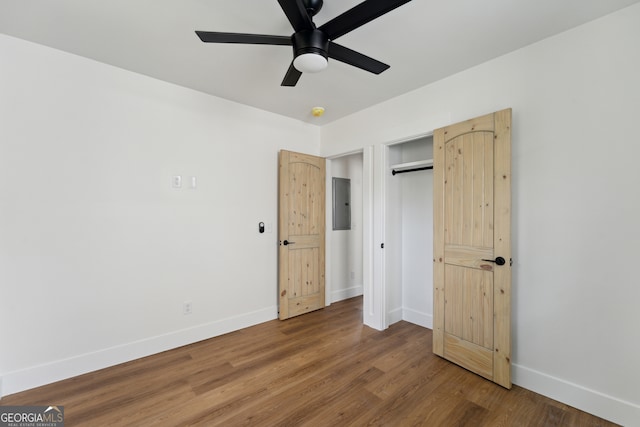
{"type": "Point", "coordinates": [351, 57]}
{"type": "Point", "coordinates": [353, 18]}
{"type": "Point", "coordinates": [292, 76]}
{"type": "Point", "coordinates": [215, 37]}
{"type": "Point", "coordinates": [297, 14]}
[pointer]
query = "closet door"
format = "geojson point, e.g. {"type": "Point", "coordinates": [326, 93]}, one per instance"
{"type": "Point", "coordinates": [472, 245]}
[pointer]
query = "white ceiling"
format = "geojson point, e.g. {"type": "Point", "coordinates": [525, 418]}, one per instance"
{"type": "Point", "coordinates": [423, 41]}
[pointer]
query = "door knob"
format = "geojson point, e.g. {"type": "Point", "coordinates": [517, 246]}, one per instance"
{"type": "Point", "coordinates": [286, 242]}
{"type": "Point", "coordinates": [499, 260]}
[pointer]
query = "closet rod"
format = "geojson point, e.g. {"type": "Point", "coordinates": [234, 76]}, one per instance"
{"type": "Point", "coordinates": [393, 172]}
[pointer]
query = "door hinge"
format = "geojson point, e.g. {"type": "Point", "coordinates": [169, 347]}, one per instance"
{"type": "Point", "coordinates": [381, 245]}
{"type": "Point", "coordinates": [510, 262]}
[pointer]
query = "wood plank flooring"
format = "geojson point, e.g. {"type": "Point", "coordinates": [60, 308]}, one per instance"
{"type": "Point", "coordinates": [321, 369]}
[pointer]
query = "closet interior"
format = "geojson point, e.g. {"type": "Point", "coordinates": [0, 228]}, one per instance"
{"type": "Point", "coordinates": [409, 232]}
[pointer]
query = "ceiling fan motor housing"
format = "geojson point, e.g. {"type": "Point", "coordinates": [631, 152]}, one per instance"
{"type": "Point", "coordinates": [310, 41]}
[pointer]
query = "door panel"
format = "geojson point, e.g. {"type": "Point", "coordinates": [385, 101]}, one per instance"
{"type": "Point", "coordinates": [471, 313]}
{"type": "Point", "coordinates": [302, 226]}
{"type": "Point", "coordinates": [473, 357]}
{"type": "Point", "coordinates": [472, 211]}
{"type": "Point", "coordinates": [468, 201]}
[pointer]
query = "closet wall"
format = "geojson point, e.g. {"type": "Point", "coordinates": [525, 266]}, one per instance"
{"type": "Point", "coordinates": [409, 234]}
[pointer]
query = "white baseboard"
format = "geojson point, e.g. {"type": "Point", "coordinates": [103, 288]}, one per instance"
{"type": "Point", "coordinates": [394, 316]}
{"type": "Point", "coordinates": [346, 293]}
{"type": "Point", "coordinates": [35, 376]}
{"type": "Point", "coordinates": [591, 401]}
{"type": "Point", "coordinates": [417, 317]}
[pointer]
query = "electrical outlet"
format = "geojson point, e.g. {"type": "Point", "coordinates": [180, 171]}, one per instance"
{"type": "Point", "coordinates": [187, 308]}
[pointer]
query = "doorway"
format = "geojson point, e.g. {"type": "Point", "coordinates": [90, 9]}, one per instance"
{"type": "Point", "coordinates": [345, 244]}
{"type": "Point", "coordinates": [408, 231]}
{"type": "Point", "coordinates": [394, 211]}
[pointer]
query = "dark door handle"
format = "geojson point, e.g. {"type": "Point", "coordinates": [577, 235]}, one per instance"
{"type": "Point", "coordinates": [499, 260]}
{"type": "Point", "coordinates": [286, 242]}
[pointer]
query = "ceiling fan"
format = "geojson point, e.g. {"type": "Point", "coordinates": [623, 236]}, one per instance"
{"type": "Point", "coordinates": [312, 46]}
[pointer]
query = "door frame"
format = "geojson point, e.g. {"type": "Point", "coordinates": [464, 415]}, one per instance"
{"type": "Point", "coordinates": [373, 290]}
{"type": "Point", "coordinates": [389, 260]}
{"type": "Point", "coordinates": [387, 178]}
{"type": "Point", "coordinates": [366, 221]}
{"type": "Point", "coordinates": [375, 168]}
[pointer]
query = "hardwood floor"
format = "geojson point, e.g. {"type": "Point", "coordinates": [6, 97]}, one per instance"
{"type": "Point", "coordinates": [321, 369]}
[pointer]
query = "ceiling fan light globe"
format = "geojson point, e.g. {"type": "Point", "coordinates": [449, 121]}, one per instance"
{"type": "Point", "coordinates": [310, 63]}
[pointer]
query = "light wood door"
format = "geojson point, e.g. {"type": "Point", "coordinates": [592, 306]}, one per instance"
{"type": "Point", "coordinates": [472, 236]}
{"type": "Point", "coordinates": [301, 233]}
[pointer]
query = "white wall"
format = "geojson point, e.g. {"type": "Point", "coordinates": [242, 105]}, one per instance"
{"type": "Point", "coordinates": [97, 251]}
{"type": "Point", "coordinates": [576, 101]}
{"type": "Point", "coordinates": [346, 245]}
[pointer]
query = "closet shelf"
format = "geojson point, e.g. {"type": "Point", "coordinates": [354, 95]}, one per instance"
{"type": "Point", "coordinates": [411, 165]}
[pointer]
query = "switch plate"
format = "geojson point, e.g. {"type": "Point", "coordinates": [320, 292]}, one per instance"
{"type": "Point", "coordinates": [176, 181]}
{"type": "Point", "coordinates": [187, 308]}
{"type": "Point", "coordinates": [193, 182]}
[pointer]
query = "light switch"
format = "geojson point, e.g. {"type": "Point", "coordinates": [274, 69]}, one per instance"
{"type": "Point", "coordinates": [193, 183]}
{"type": "Point", "coordinates": [176, 181]}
